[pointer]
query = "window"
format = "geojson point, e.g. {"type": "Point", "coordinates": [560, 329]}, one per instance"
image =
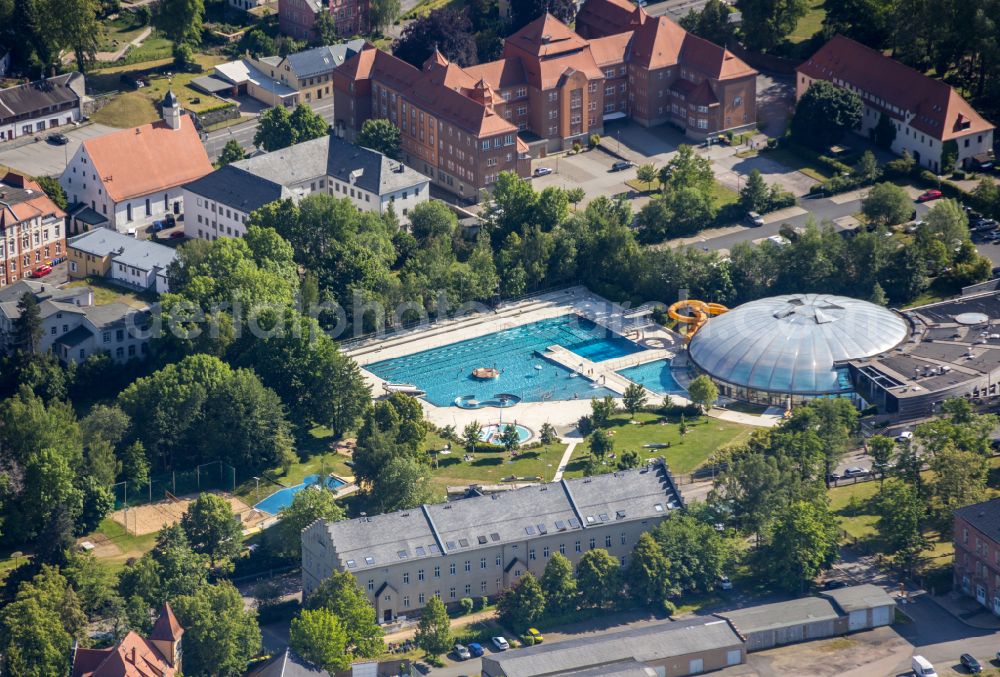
{"type": "Point", "coordinates": [531, 553]}
{"type": "Point", "coordinates": [468, 565]}
{"type": "Point", "coordinates": [406, 601]}
{"type": "Point", "coordinates": [737, 101]}
{"type": "Point", "coordinates": [499, 562]}
{"type": "Point", "coordinates": [482, 587]}
{"type": "Point", "coordinates": [406, 577]}
{"type": "Point", "coordinates": [593, 543]}
{"type": "Point", "coordinates": [577, 547]}
{"type": "Point", "coordinates": [437, 572]}
{"type": "Point", "coordinates": [562, 548]}
{"type": "Point", "coordinates": [371, 583]}
{"type": "Point", "coordinates": [607, 541]}
{"type": "Point", "coordinates": [451, 593]}
{"type": "Point", "coordinates": [420, 574]}
{"type": "Point", "coordinates": [468, 589]}
{"type": "Point", "coordinates": [420, 599]}
{"type": "Point", "coordinates": [545, 552]}
{"type": "Point", "coordinates": [482, 563]}
{"type": "Point", "coordinates": [451, 568]}
{"type": "Point", "coordinates": [624, 537]}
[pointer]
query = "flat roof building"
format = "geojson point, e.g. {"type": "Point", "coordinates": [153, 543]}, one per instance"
{"type": "Point", "coordinates": [481, 546]}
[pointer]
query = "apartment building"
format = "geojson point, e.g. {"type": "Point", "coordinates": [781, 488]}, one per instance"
{"type": "Point", "coordinates": [133, 177]}
{"type": "Point", "coordinates": [32, 230]}
{"type": "Point", "coordinates": [140, 264]}
{"type": "Point", "coordinates": [478, 547]}
{"type": "Point", "coordinates": [551, 83]}
{"type": "Point", "coordinates": [36, 107]}
{"type": "Point", "coordinates": [297, 18]}
{"type": "Point", "coordinates": [977, 553]}
{"type": "Point", "coordinates": [220, 203]}
{"type": "Point", "coordinates": [926, 113]}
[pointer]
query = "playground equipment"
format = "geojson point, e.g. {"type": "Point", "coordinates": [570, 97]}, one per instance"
{"type": "Point", "coordinates": [699, 312]}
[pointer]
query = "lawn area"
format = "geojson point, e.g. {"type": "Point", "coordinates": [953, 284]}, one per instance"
{"type": "Point", "coordinates": [115, 546]}
{"type": "Point", "coordinates": [704, 436]}
{"type": "Point", "coordinates": [131, 109]}
{"type": "Point", "coordinates": [120, 31]}
{"type": "Point", "coordinates": [721, 195]}
{"type": "Point", "coordinates": [810, 23]}
{"type": "Point", "coordinates": [106, 292]}
{"type": "Point", "coordinates": [793, 160]}
{"type": "Point", "coordinates": [425, 7]}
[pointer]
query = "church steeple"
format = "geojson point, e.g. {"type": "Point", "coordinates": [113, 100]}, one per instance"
{"type": "Point", "coordinates": [171, 108]}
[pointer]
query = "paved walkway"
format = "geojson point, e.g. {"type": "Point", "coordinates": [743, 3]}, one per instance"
{"type": "Point", "coordinates": [564, 461]}
{"type": "Point", "coordinates": [460, 622]}
{"type": "Point", "coordinates": [114, 56]}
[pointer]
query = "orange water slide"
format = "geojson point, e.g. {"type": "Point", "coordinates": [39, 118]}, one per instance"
{"type": "Point", "coordinates": [697, 315]}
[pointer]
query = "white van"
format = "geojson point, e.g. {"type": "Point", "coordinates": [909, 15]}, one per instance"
{"type": "Point", "coordinates": [922, 667]}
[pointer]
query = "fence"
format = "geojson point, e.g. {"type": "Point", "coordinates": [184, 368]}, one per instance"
{"type": "Point", "coordinates": [215, 475]}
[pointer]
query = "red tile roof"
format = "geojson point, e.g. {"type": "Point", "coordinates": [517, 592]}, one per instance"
{"type": "Point", "coordinates": [934, 107]}
{"type": "Point", "coordinates": [132, 657]}
{"type": "Point", "coordinates": [608, 17]}
{"type": "Point", "coordinates": [167, 628]}
{"type": "Point", "coordinates": [143, 160]}
{"type": "Point", "coordinates": [610, 49]}
{"type": "Point", "coordinates": [546, 37]}
{"type": "Point", "coordinates": [26, 200]}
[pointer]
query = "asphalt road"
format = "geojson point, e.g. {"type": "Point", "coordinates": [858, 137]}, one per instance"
{"type": "Point", "coordinates": [675, 9]}
{"type": "Point", "coordinates": [244, 133]}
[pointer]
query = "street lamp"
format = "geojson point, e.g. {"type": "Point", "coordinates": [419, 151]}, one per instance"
{"type": "Point", "coordinates": [257, 490]}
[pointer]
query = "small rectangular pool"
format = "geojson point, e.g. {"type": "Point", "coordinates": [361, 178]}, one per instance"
{"type": "Point", "coordinates": [283, 497]}
{"type": "Point", "coordinates": [655, 376]}
{"type": "Point", "coordinates": [445, 373]}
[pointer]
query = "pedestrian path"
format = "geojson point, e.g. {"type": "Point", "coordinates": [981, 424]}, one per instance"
{"type": "Point", "coordinates": [564, 461]}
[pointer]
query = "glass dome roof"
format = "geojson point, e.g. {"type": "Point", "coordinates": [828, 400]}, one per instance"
{"type": "Point", "coordinates": [791, 343]}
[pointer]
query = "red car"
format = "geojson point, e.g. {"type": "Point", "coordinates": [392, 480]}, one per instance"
{"type": "Point", "coordinates": [176, 234]}
{"type": "Point", "coordinates": [928, 195]}
{"type": "Point", "coordinates": [42, 271]}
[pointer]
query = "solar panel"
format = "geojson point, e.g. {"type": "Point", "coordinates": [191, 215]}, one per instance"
{"type": "Point", "coordinates": [542, 529]}
{"type": "Point", "coordinates": [560, 525]}
{"type": "Point", "coordinates": [530, 530]}
{"type": "Point", "coordinates": [495, 537]}
{"type": "Point", "coordinates": [464, 542]}
{"type": "Point", "coordinates": [574, 522]}
{"type": "Point", "coordinates": [481, 539]}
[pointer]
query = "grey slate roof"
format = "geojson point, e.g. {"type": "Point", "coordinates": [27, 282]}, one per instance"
{"type": "Point", "coordinates": [323, 59]}
{"type": "Point", "coordinates": [630, 668]}
{"type": "Point", "coordinates": [332, 156]}
{"type": "Point", "coordinates": [857, 597]}
{"type": "Point", "coordinates": [38, 95]}
{"type": "Point", "coordinates": [75, 337]}
{"type": "Point", "coordinates": [238, 188]}
{"type": "Point", "coordinates": [513, 516]}
{"type": "Point", "coordinates": [781, 614]}
{"type": "Point", "coordinates": [287, 664]}
{"type": "Point", "coordinates": [650, 643]}
{"type": "Point", "coordinates": [51, 299]}
{"type": "Point", "coordinates": [983, 516]}
{"type": "Point", "coordinates": [124, 249]}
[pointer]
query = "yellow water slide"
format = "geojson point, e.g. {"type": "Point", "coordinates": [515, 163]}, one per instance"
{"type": "Point", "coordinates": [697, 315]}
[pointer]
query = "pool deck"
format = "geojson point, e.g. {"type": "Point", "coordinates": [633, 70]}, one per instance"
{"type": "Point", "coordinates": [563, 414]}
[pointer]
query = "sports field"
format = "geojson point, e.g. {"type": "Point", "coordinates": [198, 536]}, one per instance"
{"type": "Point", "coordinates": [151, 517]}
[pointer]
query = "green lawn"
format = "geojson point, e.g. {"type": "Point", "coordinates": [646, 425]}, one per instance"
{"type": "Point", "coordinates": [106, 292]}
{"type": "Point", "coordinates": [810, 23]}
{"type": "Point", "coordinates": [128, 110]}
{"type": "Point", "coordinates": [118, 32]}
{"type": "Point", "coordinates": [704, 436]}
{"type": "Point", "coordinates": [125, 546]}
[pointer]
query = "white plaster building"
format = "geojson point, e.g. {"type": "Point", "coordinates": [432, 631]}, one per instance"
{"type": "Point", "coordinates": [39, 106]}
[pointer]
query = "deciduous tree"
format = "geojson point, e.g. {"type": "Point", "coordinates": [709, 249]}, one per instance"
{"type": "Point", "coordinates": [211, 528]}
{"type": "Point", "coordinates": [220, 634]}
{"type": "Point", "coordinates": [231, 152]}
{"type": "Point", "coordinates": [824, 113]}
{"type": "Point", "coordinates": [318, 636]}
{"type": "Point", "coordinates": [523, 604]}
{"type": "Point", "coordinates": [634, 398]}
{"type": "Point", "coordinates": [647, 577]}
{"type": "Point", "coordinates": [558, 585]}
{"type": "Point", "coordinates": [341, 595]}
{"type": "Point", "coordinates": [433, 634]}
{"type": "Point", "coordinates": [381, 135]}
{"type": "Point", "coordinates": [802, 542]}
{"type": "Point", "coordinates": [180, 20]}
{"type": "Point", "coordinates": [887, 204]}
{"type": "Point", "coordinates": [767, 22]}
{"type": "Point", "coordinates": [703, 391]}
{"type": "Point", "coordinates": [306, 507]}
{"type": "Point", "coordinates": [446, 30]}
{"type": "Point", "coordinates": [598, 578]}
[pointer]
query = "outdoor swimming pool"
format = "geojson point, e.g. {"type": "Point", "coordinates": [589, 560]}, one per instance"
{"type": "Point", "coordinates": [491, 433]}
{"type": "Point", "coordinates": [445, 373]}
{"type": "Point", "coordinates": [283, 497]}
{"type": "Point", "coordinates": [655, 376]}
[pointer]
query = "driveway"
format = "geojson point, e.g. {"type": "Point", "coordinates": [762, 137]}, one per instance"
{"type": "Point", "coordinates": [732, 172]}
{"type": "Point", "coordinates": [244, 132]}
{"type": "Point", "coordinates": [775, 103]}
{"type": "Point", "coordinates": [45, 159]}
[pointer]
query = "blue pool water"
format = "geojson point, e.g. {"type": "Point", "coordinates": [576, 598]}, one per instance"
{"type": "Point", "coordinates": [491, 433]}
{"type": "Point", "coordinates": [654, 375]}
{"type": "Point", "coordinates": [283, 497]}
{"type": "Point", "coordinates": [446, 373]}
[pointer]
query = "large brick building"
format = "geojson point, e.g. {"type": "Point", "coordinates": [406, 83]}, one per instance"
{"type": "Point", "coordinates": [297, 18]}
{"type": "Point", "coordinates": [32, 229]}
{"type": "Point", "coordinates": [551, 83]}
{"type": "Point", "coordinates": [977, 552]}
{"type": "Point", "coordinates": [478, 547]}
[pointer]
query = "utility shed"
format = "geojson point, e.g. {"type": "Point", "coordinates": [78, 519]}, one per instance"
{"type": "Point", "coordinates": [866, 606]}
{"type": "Point", "coordinates": [771, 625]}
{"type": "Point", "coordinates": [672, 649]}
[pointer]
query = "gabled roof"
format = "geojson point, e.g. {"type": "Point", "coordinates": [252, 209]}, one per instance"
{"type": "Point", "coordinates": [930, 106]}
{"type": "Point", "coordinates": [287, 664]}
{"type": "Point", "coordinates": [608, 17]}
{"type": "Point", "coordinates": [501, 73]}
{"type": "Point", "coordinates": [983, 516]}
{"type": "Point", "coordinates": [132, 657]}
{"type": "Point", "coordinates": [859, 597]}
{"type": "Point", "coordinates": [610, 49]}
{"type": "Point", "coordinates": [546, 37]}
{"type": "Point", "coordinates": [323, 59]}
{"type": "Point", "coordinates": [238, 188]}
{"type": "Point", "coordinates": [142, 254]}
{"type": "Point", "coordinates": [22, 199]}
{"type": "Point", "coordinates": [39, 95]}
{"type": "Point", "coordinates": [142, 160]}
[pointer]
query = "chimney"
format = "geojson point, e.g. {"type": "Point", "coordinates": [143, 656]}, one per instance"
{"type": "Point", "coordinates": [133, 655]}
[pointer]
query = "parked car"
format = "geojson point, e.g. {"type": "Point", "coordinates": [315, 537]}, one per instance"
{"type": "Point", "coordinates": [170, 220]}
{"type": "Point", "coordinates": [535, 635]}
{"type": "Point", "coordinates": [176, 234]}
{"type": "Point", "coordinates": [476, 649]}
{"type": "Point", "coordinates": [500, 643]}
{"type": "Point", "coordinates": [41, 271]}
{"type": "Point", "coordinates": [922, 667]}
{"type": "Point", "coordinates": [57, 139]}
{"type": "Point", "coordinates": [904, 436]}
{"type": "Point", "coordinates": [832, 478]}
{"type": "Point", "coordinates": [725, 583]}
{"type": "Point", "coordinates": [855, 471]}
{"type": "Point", "coordinates": [970, 663]}
{"type": "Point", "coordinates": [928, 195]}
{"type": "Point", "coordinates": [622, 165]}
{"type": "Point", "coordinates": [834, 585]}
{"type": "Point", "coordinates": [542, 171]}
{"type": "Point", "coordinates": [462, 652]}
{"type": "Point", "coordinates": [755, 219]}
{"type": "Point", "coordinates": [157, 226]}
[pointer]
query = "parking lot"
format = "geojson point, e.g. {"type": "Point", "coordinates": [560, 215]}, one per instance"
{"type": "Point", "coordinates": [45, 159]}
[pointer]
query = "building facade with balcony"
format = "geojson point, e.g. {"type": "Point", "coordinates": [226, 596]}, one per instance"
{"type": "Point", "coordinates": [32, 228]}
